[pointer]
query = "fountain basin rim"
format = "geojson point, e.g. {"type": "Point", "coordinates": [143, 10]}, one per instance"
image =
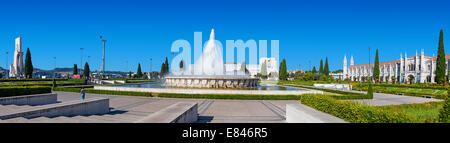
{"type": "Point", "coordinates": [210, 77]}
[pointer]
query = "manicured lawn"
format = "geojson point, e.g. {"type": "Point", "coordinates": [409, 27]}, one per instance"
{"type": "Point", "coordinates": [422, 112]}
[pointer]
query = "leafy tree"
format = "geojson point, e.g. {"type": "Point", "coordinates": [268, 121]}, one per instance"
{"type": "Point", "coordinates": [1, 75]}
{"type": "Point", "coordinates": [326, 70]}
{"type": "Point", "coordinates": [440, 62]}
{"type": "Point", "coordinates": [376, 68]}
{"type": "Point", "coordinates": [139, 72]}
{"type": "Point", "coordinates": [129, 74]}
{"type": "Point", "coordinates": [393, 79]}
{"type": "Point", "coordinates": [75, 69]}
{"type": "Point", "coordinates": [444, 113]}
{"type": "Point", "coordinates": [314, 71]}
{"type": "Point", "coordinates": [86, 71]}
{"type": "Point", "coordinates": [264, 69]}
{"type": "Point", "coordinates": [321, 67]}
{"type": "Point", "coordinates": [28, 65]}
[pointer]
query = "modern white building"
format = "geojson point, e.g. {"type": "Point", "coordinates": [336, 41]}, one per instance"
{"type": "Point", "coordinates": [16, 69]}
{"type": "Point", "coordinates": [420, 68]}
{"type": "Point", "coordinates": [271, 65]}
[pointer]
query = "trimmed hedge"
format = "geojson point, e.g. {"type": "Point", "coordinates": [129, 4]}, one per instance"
{"type": "Point", "coordinates": [95, 91]}
{"type": "Point", "coordinates": [345, 94]}
{"type": "Point", "coordinates": [173, 95]}
{"type": "Point", "coordinates": [23, 90]}
{"type": "Point", "coordinates": [409, 93]}
{"type": "Point", "coordinates": [231, 96]}
{"type": "Point", "coordinates": [30, 79]}
{"type": "Point", "coordinates": [354, 112]}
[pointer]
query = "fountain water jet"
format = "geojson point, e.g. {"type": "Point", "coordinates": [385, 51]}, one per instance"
{"type": "Point", "coordinates": [209, 72]}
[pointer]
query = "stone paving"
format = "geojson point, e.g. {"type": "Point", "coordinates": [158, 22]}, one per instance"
{"type": "Point", "coordinates": [210, 110]}
{"type": "Point", "coordinates": [382, 99]}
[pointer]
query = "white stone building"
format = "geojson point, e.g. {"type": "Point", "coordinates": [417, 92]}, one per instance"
{"type": "Point", "coordinates": [420, 68]}
{"type": "Point", "coordinates": [271, 65]}
{"type": "Point", "coordinates": [16, 69]}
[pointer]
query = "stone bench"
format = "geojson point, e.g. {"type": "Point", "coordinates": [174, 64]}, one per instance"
{"type": "Point", "coordinates": [181, 112]}
{"type": "Point", "coordinates": [35, 99]}
{"type": "Point", "coordinates": [89, 106]}
{"type": "Point", "coordinates": [298, 113]}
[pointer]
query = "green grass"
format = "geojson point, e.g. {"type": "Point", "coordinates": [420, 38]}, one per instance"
{"type": "Point", "coordinates": [422, 112]}
{"type": "Point", "coordinates": [337, 94]}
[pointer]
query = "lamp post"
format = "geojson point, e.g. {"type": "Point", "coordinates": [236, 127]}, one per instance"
{"type": "Point", "coordinates": [368, 71]}
{"type": "Point", "coordinates": [6, 67]}
{"type": "Point", "coordinates": [151, 70]}
{"type": "Point", "coordinates": [54, 74]}
{"type": "Point", "coordinates": [81, 60]}
{"type": "Point", "coordinates": [103, 58]}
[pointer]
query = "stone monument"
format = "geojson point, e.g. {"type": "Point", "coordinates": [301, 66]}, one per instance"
{"type": "Point", "coordinates": [16, 69]}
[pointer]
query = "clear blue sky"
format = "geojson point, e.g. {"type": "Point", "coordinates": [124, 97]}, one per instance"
{"type": "Point", "coordinates": [139, 30]}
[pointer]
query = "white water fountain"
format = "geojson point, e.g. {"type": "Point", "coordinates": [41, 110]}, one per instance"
{"type": "Point", "coordinates": [209, 72]}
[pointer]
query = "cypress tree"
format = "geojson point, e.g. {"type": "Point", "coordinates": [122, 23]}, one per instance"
{"type": "Point", "coordinates": [139, 72]}
{"type": "Point", "coordinates": [440, 62]}
{"type": "Point", "coordinates": [264, 69]}
{"type": "Point", "coordinates": [282, 75]}
{"type": "Point", "coordinates": [376, 68]}
{"type": "Point", "coordinates": [75, 69]}
{"type": "Point", "coordinates": [86, 71]}
{"type": "Point", "coordinates": [326, 70]}
{"type": "Point", "coordinates": [28, 65]}
{"type": "Point", "coordinates": [163, 67]}
{"type": "Point", "coordinates": [321, 67]}
{"type": "Point", "coordinates": [167, 66]}
{"type": "Point", "coordinates": [370, 91]}
{"type": "Point", "coordinates": [181, 65]}
{"type": "Point", "coordinates": [314, 71]}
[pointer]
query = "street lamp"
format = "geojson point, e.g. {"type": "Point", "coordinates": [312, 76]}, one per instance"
{"type": "Point", "coordinates": [368, 71]}
{"type": "Point", "coordinates": [54, 74]}
{"type": "Point", "coordinates": [81, 59]}
{"type": "Point", "coordinates": [6, 67]}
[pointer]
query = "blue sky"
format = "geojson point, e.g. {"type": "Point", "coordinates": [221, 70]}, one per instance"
{"type": "Point", "coordinates": [139, 30]}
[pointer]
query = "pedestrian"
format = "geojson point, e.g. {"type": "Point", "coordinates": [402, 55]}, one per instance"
{"type": "Point", "coordinates": [83, 93]}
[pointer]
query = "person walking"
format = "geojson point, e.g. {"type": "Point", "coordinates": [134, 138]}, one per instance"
{"type": "Point", "coordinates": [83, 93]}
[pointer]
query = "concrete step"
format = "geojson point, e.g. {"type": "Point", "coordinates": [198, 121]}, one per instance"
{"type": "Point", "coordinates": [124, 117]}
{"type": "Point", "coordinates": [64, 119]}
{"type": "Point", "coordinates": [86, 119]}
{"type": "Point", "coordinates": [15, 120]}
{"type": "Point", "coordinates": [40, 120]}
{"type": "Point", "coordinates": [105, 119]}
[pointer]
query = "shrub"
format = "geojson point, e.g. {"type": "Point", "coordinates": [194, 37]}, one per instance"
{"type": "Point", "coordinates": [232, 96]}
{"type": "Point", "coordinates": [353, 112]}
{"type": "Point", "coordinates": [23, 90]}
{"type": "Point", "coordinates": [95, 91]}
{"type": "Point", "coordinates": [444, 113]}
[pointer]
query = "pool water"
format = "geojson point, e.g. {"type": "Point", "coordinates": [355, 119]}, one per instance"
{"type": "Point", "coordinates": [260, 87]}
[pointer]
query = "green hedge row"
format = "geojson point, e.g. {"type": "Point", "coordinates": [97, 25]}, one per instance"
{"type": "Point", "coordinates": [23, 90]}
{"type": "Point", "coordinates": [172, 95]}
{"type": "Point", "coordinates": [95, 91]}
{"type": "Point", "coordinates": [345, 95]}
{"type": "Point", "coordinates": [354, 112]}
{"type": "Point", "coordinates": [231, 96]}
{"type": "Point", "coordinates": [31, 79]}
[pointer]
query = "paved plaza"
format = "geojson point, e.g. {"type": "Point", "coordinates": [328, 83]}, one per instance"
{"type": "Point", "coordinates": [209, 110]}
{"type": "Point", "coordinates": [382, 99]}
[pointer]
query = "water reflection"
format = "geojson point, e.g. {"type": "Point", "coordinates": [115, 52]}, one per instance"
{"type": "Point", "coordinates": [260, 87]}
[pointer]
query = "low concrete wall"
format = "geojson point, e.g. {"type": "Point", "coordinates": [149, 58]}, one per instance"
{"type": "Point", "coordinates": [209, 91]}
{"type": "Point", "coordinates": [181, 112]}
{"type": "Point", "coordinates": [345, 87]}
{"type": "Point", "coordinates": [298, 113]}
{"type": "Point", "coordinates": [35, 99]}
{"type": "Point", "coordinates": [89, 106]}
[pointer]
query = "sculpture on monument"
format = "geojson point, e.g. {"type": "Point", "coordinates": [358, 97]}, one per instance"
{"type": "Point", "coordinates": [16, 69]}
